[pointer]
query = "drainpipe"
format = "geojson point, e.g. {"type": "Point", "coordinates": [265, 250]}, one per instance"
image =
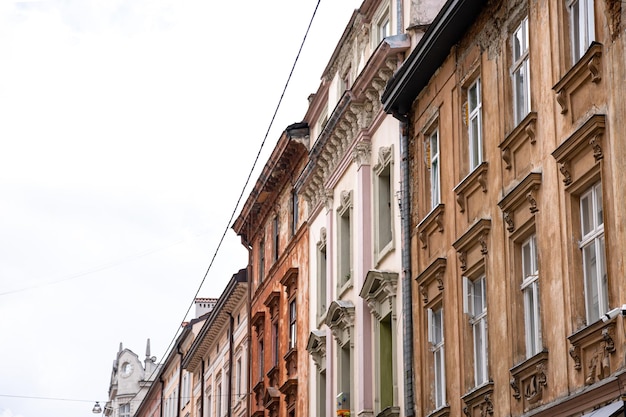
{"type": "Point", "coordinates": [202, 389]}
{"type": "Point", "coordinates": [407, 303]}
{"type": "Point", "coordinates": [162, 396]}
{"type": "Point", "coordinates": [230, 365]}
{"type": "Point", "coordinates": [180, 380]}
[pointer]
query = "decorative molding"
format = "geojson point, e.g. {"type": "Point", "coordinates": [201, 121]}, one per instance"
{"type": "Point", "coordinates": [529, 380]}
{"type": "Point", "coordinates": [478, 402]}
{"type": "Point", "coordinates": [523, 133]}
{"type": "Point", "coordinates": [476, 234]}
{"type": "Point", "coordinates": [591, 349]}
{"type": "Point", "coordinates": [316, 346]}
{"type": "Point", "coordinates": [433, 273]}
{"type": "Point", "coordinates": [589, 67]}
{"type": "Point", "coordinates": [477, 179]}
{"type": "Point", "coordinates": [525, 191]}
{"type": "Point", "coordinates": [379, 291]}
{"type": "Point", "coordinates": [361, 153]}
{"type": "Point", "coordinates": [321, 244]}
{"type": "Point", "coordinates": [345, 202]}
{"type": "Point", "coordinates": [590, 134]}
{"type": "Point", "coordinates": [271, 302]}
{"type": "Point", "coordinates": [340, 320]}
{"type": "Point", "coordinates": [385, 157]}
{"type": "Point", "coordinates": [431, 223]}
{"type": "Point", "coordinates": [290, 281]}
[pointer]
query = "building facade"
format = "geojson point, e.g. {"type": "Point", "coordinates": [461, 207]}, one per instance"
{"type": "Point", "coordinates": [130, 381]}
{"type": "Point", "coordinates": [272, 227]}
{"type": "Point", "coordinates": [514, 121]}
{"type": "Point", "coordinates": [217, 358]}
{"type": "Point", "coordinates": [352, 187]}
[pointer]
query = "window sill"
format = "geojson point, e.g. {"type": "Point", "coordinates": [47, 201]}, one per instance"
{"type": "Point", "coordinates": [433, 222]}
{"type": "Point", "coordinates": [344, 287]}
{"type": "Point", "coordinates": [478, 399]}
{"type": "Point", "coordinates": [529, 379]}
{"type": "Point", "coordinates": [469, 186]}
{"type": "Point", "coordinates": [443, 411]}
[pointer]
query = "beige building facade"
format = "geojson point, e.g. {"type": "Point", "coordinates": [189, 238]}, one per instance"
{"type": "Point", "coordinates": [515, 120]}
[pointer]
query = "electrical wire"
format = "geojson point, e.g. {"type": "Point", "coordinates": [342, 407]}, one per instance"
{"type": "Point", "coordinates": [234, 212]}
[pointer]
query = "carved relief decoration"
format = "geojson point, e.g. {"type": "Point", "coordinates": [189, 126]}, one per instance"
{"type": "Point", "coordinates": [434, 273]}
{"type": "Point", "coordinates": [384, 158]}
{"type": "Point", "coordinates": [478, 402]}
{"type": "Point", "coordinates": [523, 195]}
{"type": "Point", "coordinates": [316, 346]}
{"type": "Point", "coordinates": [379, 291]}
{"type": "Point", "coordinates": [529, 380]}
{"type": "Point", "coordinates": [591, 350]}
{"type": "Point", "coordinates": [340, 320]}
{"type": "Point", "coordinates": [432, 223]}
{"type": "Point", "coordinates": [478, 233]}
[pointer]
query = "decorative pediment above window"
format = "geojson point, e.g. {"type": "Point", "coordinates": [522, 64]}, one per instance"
{"type": "Point", "coordinates": [470, 191]}
{"type": "Point", "coordinates": [431, 225]}
{"type": "Point", "coordinates": [321, 244]}
{"type": "Point", "coordinates": [379, 291]}
{"type": "Point", "coordinates": [588, 68]}
{"type": "Point", "coordinates": [524, 195]}
{"type": "Point", "coordinates": [290, 281]}
{"type": "Point", "coordinates": [272, 301]}
{"type": "Point", "coordinates": [473, 245]}
{"type": "Point", "coordinates": [587, 140]}
{"type": "Point", "coordinates": [290, 391]}
{"type": "Point", "coordinates": [345, 202]}
{"type": "Point", "coordinates": [259, 392]}
{"type": "Point", "coordinates": [272, 376]}
{"type": "Point", "coordinates": [291, 362]}
{"type": "Point", "coordinates": [479, 401]}
{"type": "Point", "coordinates": [516, 148]}
{"type": "Point", "coordinates": [591, 349]}
{"type": "Point", "coordinates": [316, 346]}
{"type": "Point", "coordinates": [529, 380]}
{"type": "Point", "coordinates": [340, 319]}
{"type": "Point", "coordinates": [384, 158]}
{"type": "Point", "coordinates": [258, 322]}
{"type": "Point", "coordinates": [434, 273]}
{"type": "Point", "coordinates": [271, 401]}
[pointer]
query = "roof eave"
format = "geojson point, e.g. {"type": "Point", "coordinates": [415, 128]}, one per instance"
{"type": "Point", "coordinates": [446, 30]}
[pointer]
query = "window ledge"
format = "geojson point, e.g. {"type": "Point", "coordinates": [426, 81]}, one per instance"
{"type": "Point", "coordinates": [440, 412]}
{"type": "Point", "coordinates": [591, 348]}
{"type": "Point", "coordinates": [523, 134]}
{"type": "Point", "coordinates": [391, 411]}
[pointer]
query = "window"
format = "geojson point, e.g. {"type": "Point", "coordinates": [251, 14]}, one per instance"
{"type": "Point", "coordinates": [218, 394]}
{"type": "Point", "coordinates": [292, 324]}
{"type": "Point", "coordinates": [186, 397]}
{"type": "Point", "coordinates": [383, 195]}
{"type": "Point", "coordinates": [530, 291]}
{"type": "Point", "coordinates": [385, 380]}
{"type": "Point", "coordinates": [345, 359]}
{"type": "Point", "coordinates": [433, 166]}
{"type": "Point", "coordinates": [125, 410]}
{"type": "Point", "coordinates": [475, 305]}
{"type": "Point", "coordinates": [294, 213]}
{"type": "Point", "coordinates": [261, 360]}
{"type": "Point", "coordinates": [382, 26]}
{"type": "Point", "coordinates": [435, 338]}
{"type": "Point", "coordinates": [275, 345]}
{"type": "Point", "coordinates": [582, 27]}
{"type": "Point", "coordinates": [238, 380]}
{"type": "Point", "coordinates": [321, 394]}
{"type": "Point", "coordinates": [592, 247]}
{"type": "Point", "coordinates": [474, 121]}
{"type": "Point", "coordinates": [261, 261]}
{"type": "Point", "coordinates": [276, 232]}
{"type": "Point", "coordinates": [345, 239]}
{"type": "Point", "coordinates": [521, 72]}
{"type": "Point", "coordinates": [209, 402]}
{"type": "Point", "coordinates": [321, 275]}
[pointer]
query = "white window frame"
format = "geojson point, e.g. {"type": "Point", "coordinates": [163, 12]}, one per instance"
{"type": "Point", "coordinates": [433, 143]}
{"type": "Point", "coordinates": [582, 26]}
{"type": "Point", "coordinates": [475, 306]}
{"type": "Point", "coordinates": [592, 246]}
{"type": "Point", "coordinates": [475, 124]}
{"type": "Point", "coordinates": [436, 341]}
{"type": "Point", "coordinates": [520, 71]}
{"type": "Point", "coordinates": [382, 25]}
{"type": "Point", "coordinates": [322, 264]}
{"type": "Point", "coordinates": [293, 317]}
{"type": "Point", "coordinates": [530, 291]}
{"type": "Point", "coordinates": [124, 410]}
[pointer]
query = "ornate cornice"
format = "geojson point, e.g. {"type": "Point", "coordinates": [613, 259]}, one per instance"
{"type": "Point", "coordinates": [379, 291]}
{"type": "Point", "coordinates": [316, 346]}
{"type": "Point", "coordinates": [340, 320]}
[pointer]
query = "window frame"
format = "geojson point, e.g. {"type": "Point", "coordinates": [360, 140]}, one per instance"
{"type": "Point", "coordinates": [432, 159]}
{"type": "Point", "coordinates": [436, 340]}
{"type": "Point", "coordinates": [383, 182]}
{"type": "Point", "coordinates": [521, 64]}
{"type": "Point", "coordinates": [293, 316]}
{"type": "Point", "coordinates": [322, 264]}
{"type": "Point", "coordinates": [479, 324]}
{"type": "Point", "coordinates": [529, 287]}
{"type": "Point", "coordinates": [582, 27]}
{"type": "Point", "coordinates": [595, 236]}
{"type": "Point", "coordinates": [475, 147]}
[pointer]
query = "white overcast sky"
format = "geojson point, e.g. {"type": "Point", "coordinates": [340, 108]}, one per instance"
{"type": "Point", "coordinates": [127, 129]}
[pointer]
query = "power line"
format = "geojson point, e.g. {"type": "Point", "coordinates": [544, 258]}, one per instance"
{"type": "Point", "coordinates": [234, 212]}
